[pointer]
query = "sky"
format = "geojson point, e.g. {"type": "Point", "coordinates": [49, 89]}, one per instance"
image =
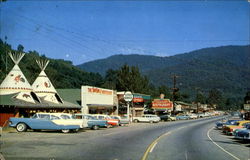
{"type": "Point", "coordinates": [82, 31]}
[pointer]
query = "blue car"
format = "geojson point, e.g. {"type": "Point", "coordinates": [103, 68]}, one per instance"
{"type": "Point", "coordinates": [35, 123]}
{"type": "Point", "coordinates": [183, 117]}
{"type": "Point", "coordinates": [220, 124]}
{"type": "Point", "coordinates": [93, 122]}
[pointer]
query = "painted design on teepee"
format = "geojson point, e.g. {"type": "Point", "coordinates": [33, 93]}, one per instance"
{"type": "Point", "coordinates": [15, 81]}
{"type": "Point", "coordinates": [43, 87]}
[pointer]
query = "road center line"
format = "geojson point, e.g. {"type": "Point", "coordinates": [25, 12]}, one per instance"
{"type": "Point", "coordinates": [151, 150]}
{"type": "Point", "coordinates": [220, 146]}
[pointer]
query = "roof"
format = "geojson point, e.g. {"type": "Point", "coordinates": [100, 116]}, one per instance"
{"type": "Point", "coordinates": [183, 103]}
{"type": "Point", "coordinates": [9, 100]}
{"type": "Point", "coordinates": [70, 95]}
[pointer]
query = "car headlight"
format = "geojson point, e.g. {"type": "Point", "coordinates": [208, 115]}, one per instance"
{"type": "Point", "coordinates": [10, 122]}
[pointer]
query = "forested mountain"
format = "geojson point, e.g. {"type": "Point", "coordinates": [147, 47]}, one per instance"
{"type": "Point", "coordinates": [61, 73]}
{"type": "Point", "coordinates": [226, 68]}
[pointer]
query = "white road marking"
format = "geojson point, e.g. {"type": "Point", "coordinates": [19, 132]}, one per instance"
{"type": "Point", "coordinates": [151, 150]}
{"type": "Point", "coordinates": [220, 146]}
{"type": "Point", "coordinates": [186, 156]}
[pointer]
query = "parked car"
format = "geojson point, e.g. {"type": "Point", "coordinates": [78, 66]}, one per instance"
{"type": "Point", "coordinates": [147, 118]}
{"type": "Point", "coordinates": [182, 117]}
{"type": "Point", "coordinates": [111, 122]}
{"type": "Point", "coordinates": [224, 122]}
{"type": "Point", "coordinates": [237, 132]}
{"type": "Point", "coordinates": [167, 117]}
{"type": "Point", "coordinates": [42, 122]}
{"type": "Point", "coordinates": [228, 129]}
{"type": "Point", "coordinates": [243, 134]}
{"type": "Point", "coordinates": [193, 116]}
{"type": "Point", "coordinates": [202, 115]}
{"type": "Point", "coordinates": [122, 120]}
{"type": "Point", "coordinates": [92, 122]}
{"type": "Point", "coordinates": [69, 119]}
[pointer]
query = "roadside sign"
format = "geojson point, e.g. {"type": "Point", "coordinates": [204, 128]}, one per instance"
{"type": "Point", "coordinates": [247, 106]}
{"type": "Point", "coordinates": [128, 96]}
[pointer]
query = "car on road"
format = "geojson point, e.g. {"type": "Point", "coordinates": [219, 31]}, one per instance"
{"type": "Point", "coordinates": [92, 122]}
{"type": "Point", "coordinates": [182, 117]}
{"type": "Point", "coordinates": [167, 117]}
{"type": "Point", "coordinates": [42, 122]}
{"type": "Point", "coordinates": [147, 118]}
{"type": "Point", "coordinates": [111, 121]}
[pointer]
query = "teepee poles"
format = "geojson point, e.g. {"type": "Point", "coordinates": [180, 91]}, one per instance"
{"type": "Point", "coordinates": [16, 57]}
{"type": "Point", "coordinates": [42, 63]}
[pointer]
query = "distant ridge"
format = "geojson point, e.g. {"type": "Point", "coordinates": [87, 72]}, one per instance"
{"type": "Point", "coordinates": [226, 68]}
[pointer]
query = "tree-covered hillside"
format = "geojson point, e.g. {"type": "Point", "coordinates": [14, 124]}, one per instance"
{"type": "Point", "coordinates": [225, 68]}
{"type": "Point", "coordinates": [61, 73]}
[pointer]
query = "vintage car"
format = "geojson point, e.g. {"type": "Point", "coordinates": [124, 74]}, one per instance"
{"type": "Point", "coordinates": [122, 120]}
{"type": "Point", "coordinates": [182, 117]}
{"type": "Point", "coordinates": [42, 122]}
{"type": "Point", "coordinates": [111, 122]}
{"type": "Point", "coordinates": [167, 117]}
{"type": "Point", "coordinates": [147, 118]}
{"type": "Point", "coordinates": [193, 116]}
{"type": "Point", "coordinates": [224, 122]}
{"type": "Point", "coordinates": [70, 119]}
{"type": "Point", "coordinates": [92, 122]}
{"type": "Point", "coordinates": [238, 134]}
{"type": "Point", "coordinates": [228, 129]}
{"type": "Point", "coordinates": [243, 134]}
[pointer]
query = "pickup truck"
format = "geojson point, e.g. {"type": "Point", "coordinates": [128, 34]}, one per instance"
{"type": "Point", "coordinates": [147, 118]}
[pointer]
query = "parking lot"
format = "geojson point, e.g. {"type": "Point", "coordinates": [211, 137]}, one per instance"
{"type": "Point", "coordinates": [127, 142]}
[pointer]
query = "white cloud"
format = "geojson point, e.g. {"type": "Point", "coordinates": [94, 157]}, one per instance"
{"type": "Point", "coordinates": [67, 55]}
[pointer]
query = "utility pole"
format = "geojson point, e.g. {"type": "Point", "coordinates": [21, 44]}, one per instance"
{"type": "Point", "coordinates": [174, 91]}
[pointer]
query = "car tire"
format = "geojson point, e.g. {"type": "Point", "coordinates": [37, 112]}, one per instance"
{"type": "Point", "coordinates": [95, 127]}
{"type": "Point", "coordinates": [21, 127]}
{"type": "Point", "coordinates": [136, 121]}
{"type": "Point", "coordinates": [65, 130]}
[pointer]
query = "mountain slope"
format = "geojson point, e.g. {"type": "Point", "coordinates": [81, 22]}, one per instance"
{"type": "Point", "coordinates": [226, 68]}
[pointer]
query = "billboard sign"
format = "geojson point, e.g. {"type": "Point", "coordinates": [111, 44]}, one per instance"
{"type": "Point", "coordinates": [162, 104]}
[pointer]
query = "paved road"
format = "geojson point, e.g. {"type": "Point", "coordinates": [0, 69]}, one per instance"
{"type": "Point", "coordinates": [182, 140]}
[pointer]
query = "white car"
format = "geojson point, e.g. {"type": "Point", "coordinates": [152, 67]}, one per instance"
{"type": "Point", "coordinates": [147, 118]}
{"type": "Point", "coordinates": [193, 116]}
{"type": "Point", "coordinates": [63, 119]}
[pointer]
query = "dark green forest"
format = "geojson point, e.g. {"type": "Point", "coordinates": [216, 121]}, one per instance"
{"type": "Point", "coordinates": [200, 79]}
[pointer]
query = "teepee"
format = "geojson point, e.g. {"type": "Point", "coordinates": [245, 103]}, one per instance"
{"type": "Point", "coordinates": [43, 87]}
{"type": "Point", "coordinates": [15, 81]}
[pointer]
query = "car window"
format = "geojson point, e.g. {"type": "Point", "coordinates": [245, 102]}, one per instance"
{"type": "Point", "coordinates": [35, 116]}
{"type": "Point", "coordinates": [44, 116]}
{"type": "Point", "coordinates": [78, 117]}
{"type": "Point", "coordinates": [54, 117]}
{"type": "Point", "coordinates": [65, 116]}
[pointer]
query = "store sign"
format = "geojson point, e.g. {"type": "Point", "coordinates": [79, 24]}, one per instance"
{"type": "Point", "coordinates": [162, 104]}
{"type": "Point", "coordinates": [128, 96]}
{"type": "Point", "coordinates": [94, 95]}
{"type": "Point", "coordinates": [247, 106]}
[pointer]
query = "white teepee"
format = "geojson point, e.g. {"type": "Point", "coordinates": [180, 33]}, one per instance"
{"type": "Point", "coordinates": [16, 82]}
{"type": "Point", "coordinates": [43, 87]}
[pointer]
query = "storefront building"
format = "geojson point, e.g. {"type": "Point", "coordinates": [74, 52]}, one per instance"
{"type": "Point", "coordinates": [98, 100]}
{"type": "Point", "coordinates": [137, 106]}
